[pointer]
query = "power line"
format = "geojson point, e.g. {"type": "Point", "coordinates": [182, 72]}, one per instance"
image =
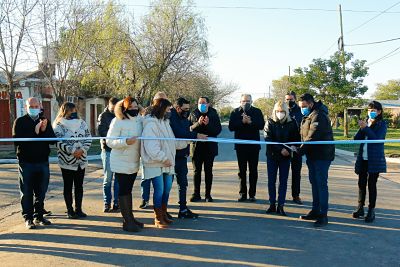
{"type": "Point", "coordinates": [388, 55]}
{"type": "Point", "coordinates": [377, 42]}
{"type": "Point", "coordinates": [374, 17]}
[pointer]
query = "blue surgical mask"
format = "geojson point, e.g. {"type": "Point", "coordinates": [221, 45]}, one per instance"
{"type": "Point", "coordinates": [33, 112]}
{"type": "Point", "coordinates": [202, 108]}
{"type": "Point", "coordinates": [305, 111]}
{"type": "Point", "coordinates": [372, 115]}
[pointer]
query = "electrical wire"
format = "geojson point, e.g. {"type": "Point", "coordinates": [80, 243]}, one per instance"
{"type": "Point", "coordinates": [377, 42]}
{"type": "Point", "coordinates": [388, 55]}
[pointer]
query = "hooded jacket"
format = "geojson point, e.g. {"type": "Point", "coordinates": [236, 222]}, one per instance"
{"type": "Point", "coordinates": [124, 158]}
{"type": "Point", "coordinates": [181, 128]}
{"type": "Point", "coordinates": [104, 121]}
{"type": "Point", "coordinates": [155, 152]}
{"type": "Point", "coordinates": [317, 127]}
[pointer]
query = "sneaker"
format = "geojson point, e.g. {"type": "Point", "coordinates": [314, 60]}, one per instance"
{"type": "Point", "coordinates": [195, 198]}
{"type": "Point", "coordinates": [144, 204]}
{"type": "Point", "coordinates": [72, 215]}
{"type": "Point", "coordinates": [107, 208]}
{"type": "Point", "coordinates": [81, 214]}
{"type": "Point", "coordinates": [242, 199]}
{"type": "Point", "coordinates": [297, 200]}
{"type": "Point", "coordinates": [47, 212]}
{"type": "Point", "coordinates": [311, 216]}
{"type": "Point", "coordinates": [209, 199]}
{"type": "Point", "coordinates": [271, 209]}
{"type": "Point", "coordinates": [187, 214]}
{"type": "Point", "coordinates": [42, 221]}
{"type": "Point", "coordinates": [321, 221]}
{"type": "Point", "coordinates": [252, 199]}
{"type": "Point", "coordinates": [115, 208]}
{"type": "Point", "coordinates": [29, 224]}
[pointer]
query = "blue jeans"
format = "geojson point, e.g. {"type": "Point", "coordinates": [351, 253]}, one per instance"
{"type": "Point", "coordinates": [145, 189]}
{"type": "Point", "coordinates": [162, 186]}
{"type": "Point", "coordinates": [318, 175]}
{"type": "Point", "coordinates": [272, 167]}
{"type": "Point", "coordinates": [108, 177]}
{"type": "Point", "coordinates": [33, 181]}
{"type": "Point", "coordinates": [181, 171]}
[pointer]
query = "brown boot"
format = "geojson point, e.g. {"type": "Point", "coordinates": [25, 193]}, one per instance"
{"type": "Point", "coordinates": [164, 211]}
{"type": "Point", "coordinates": [159, 218]}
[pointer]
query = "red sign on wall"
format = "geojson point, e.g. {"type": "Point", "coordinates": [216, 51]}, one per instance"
{"type": "Point", "coordinates": [4, 95]}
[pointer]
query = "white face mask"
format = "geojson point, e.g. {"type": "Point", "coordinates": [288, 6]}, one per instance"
{"type": "Point", "coordinates": [280, 115]}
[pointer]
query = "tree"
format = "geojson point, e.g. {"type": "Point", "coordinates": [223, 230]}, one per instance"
{"type": "Point", "coordinates": [15, 21]}
{"type": "Point", "coordinates": [280, 87]}
{"type": "Point", "coordinates": [266, 105]}
{"type": "Point", "coordinates": [388, 91]}
{"type": "Point", "coordinates": [324, 78]}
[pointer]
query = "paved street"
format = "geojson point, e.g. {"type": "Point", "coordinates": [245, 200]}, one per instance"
{"type": "Point", "coordinates": [227, 232]}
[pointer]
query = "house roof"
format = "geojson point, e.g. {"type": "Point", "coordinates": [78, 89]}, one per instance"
{"type": "Point", "coordinates": [18, 75]}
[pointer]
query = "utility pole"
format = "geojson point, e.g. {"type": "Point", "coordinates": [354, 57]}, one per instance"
{"type": "Point", "coordinates": [343, 59]}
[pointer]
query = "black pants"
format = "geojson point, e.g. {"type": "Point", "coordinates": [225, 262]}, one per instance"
{"type": "Point", "coordinates": [364, 178]}
{"type": "Point", "coordinates": [198, 162]}
{"type": "Point", "coordinates": [73, 179]}
{"type": "Point", "coordinates": [250, 158]}
{"type": "Point", "coordinates": [125, 182]}
{"type": "Point", "coordinates": [296, 164]}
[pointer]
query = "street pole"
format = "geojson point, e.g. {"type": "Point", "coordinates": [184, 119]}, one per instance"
{"type": "Point", "coordinates": [343, 59]}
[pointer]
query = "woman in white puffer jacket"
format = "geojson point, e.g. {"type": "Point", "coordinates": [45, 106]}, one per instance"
{"type": "Point", "coordinates": [125, 156]}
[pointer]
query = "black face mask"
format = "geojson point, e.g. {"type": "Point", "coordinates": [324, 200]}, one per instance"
{"type": "Point", "coordinates": [185, 114]}
{"type": "Point", "coordinates": [41, 114]}
{"type": "Point", "coordinates": [167, 115]}
{"type": "Point", "coordinates": [132, 112]}
{"type": "Point", "coordinates": [73, 116]}
{"type": "Point", "coordinates": [246, 106]}
{"type": "Point", "coordinates": [291, 103]}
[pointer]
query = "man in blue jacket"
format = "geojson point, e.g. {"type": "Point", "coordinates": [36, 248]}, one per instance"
{"type": "Point", "coordinates": [181, 128]}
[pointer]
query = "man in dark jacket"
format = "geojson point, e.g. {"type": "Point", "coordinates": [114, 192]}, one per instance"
{"type": "Point", "coordinates": [205, 121]}
{"type": "Point", "coordinates": [247, 121]}
{"type": "Point", "coordinates": [296, 161]}
{"type": "Point", "coordinates": [104, 122]}
{"type": "Point", "coordinates": [316, 126]}
{"type": "Point", "coordinates": [181, 127]}
{"type": "Point", "coordinates": [33, 161]}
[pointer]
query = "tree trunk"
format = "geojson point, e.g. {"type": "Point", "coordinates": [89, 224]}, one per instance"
{"type": "Point", "coordinates": [12, 107]}
{"type": "Point", "coordinates": [345, 123]}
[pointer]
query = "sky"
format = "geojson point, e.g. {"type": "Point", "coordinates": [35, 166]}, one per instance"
{"type": "Point", "coordinates": [253, 46]}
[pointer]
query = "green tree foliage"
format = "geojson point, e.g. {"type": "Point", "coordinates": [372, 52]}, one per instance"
{"type": "Point", "coordinates": [388, 91]}
{"type": "Point", "coordinates": [266, 105]}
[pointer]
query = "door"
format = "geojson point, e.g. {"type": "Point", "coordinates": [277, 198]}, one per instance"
{"type": "Point", "coordinates": [47, 109]}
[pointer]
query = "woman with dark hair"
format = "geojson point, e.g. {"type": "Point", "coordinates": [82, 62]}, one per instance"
{"type": "Point", "coordinates": [125, 156]}
{"type": "Point", "coordinates": [72, 155]}
{"type": "Point", "coordinates": [371, 159]}
{"type": "Point", "coordinates": [158, 157]}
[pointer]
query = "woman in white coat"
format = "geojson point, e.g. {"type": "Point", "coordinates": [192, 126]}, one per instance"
{"type": "Point", "coordinates": [158, 157]}
{"type": "Point", "coordinates": [125, 156]}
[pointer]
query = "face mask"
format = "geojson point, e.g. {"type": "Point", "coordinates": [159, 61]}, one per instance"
{"type": "Point", "coordinates": [132, 112]}
{"type": "Point", "coordinates": [73, 116]}
{"type": "Point", "coordinates": [185, 114]}
{"type": "Point", "coordinates": [34, 112]}
{"type": "Point", "coordinates": [203, 108]}
{"type": "Point", "coordinates": [305, 111]}
{"type": "Point", "coordinates": [280, 115]}
{"type": "Point", "coordinates": [246, 106]}
{"type": "Point", "coordinates": [291, 104]}
{"type": "Point", "coordinates": [167, 115]}
{"type": "Point", "coordinates": [372, 115]}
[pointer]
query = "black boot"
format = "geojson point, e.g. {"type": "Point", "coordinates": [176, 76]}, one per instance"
{"type": "Point", "coordinates": [310, 216]}
{"type": "Point", "coordinates": [321, 221]}
{"type": "Point", "coordinates": [370, 215]}
{"type": "Point", "coordinates": [359, 212]}
{"type": "Point", "coordinates": [78, 204]}
{"type": "Point", "coordinates": [271, 209]}
{"type": "Point", "coordinates": [280, 210]}
{"type": "Point", "coordinates": [70, 210]}
{"type": "Point", "coordinates": [125, 204]}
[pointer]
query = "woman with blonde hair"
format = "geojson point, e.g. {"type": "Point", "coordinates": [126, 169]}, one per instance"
{"type": "Point", "coordinates": [279, 128]}
{"type": "Point", "coordinates": [72, 155]}
{"type": "Point", "coordinates": [125, 156]}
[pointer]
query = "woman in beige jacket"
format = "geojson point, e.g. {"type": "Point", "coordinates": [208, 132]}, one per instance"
{"type": "Point", "coordinates": [125, 156]}
{"type": "Point", "coordinates": [158, 157]}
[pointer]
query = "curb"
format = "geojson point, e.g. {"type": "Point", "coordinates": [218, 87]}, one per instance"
{"type": "Point", "coordinates": [351, 154]}
{"type": "Point", "coordinates": [51, 159]}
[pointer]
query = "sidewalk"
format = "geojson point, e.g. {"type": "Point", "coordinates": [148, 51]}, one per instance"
{"type": "Point", "coordinates": [227, 232]}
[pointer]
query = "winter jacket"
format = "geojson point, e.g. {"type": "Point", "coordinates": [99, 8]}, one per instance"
{"type": "Point", "coordinates": [155, 152]}
{"type": "Point", "coordinates": [31, 152]}
{"type": "Point", "coordinates": [181, 128]}
{"type": "Point", "coordinates": [281, 133]}
{"type": "Point", "coordinates": [247, 131]}
{"type": "Point", "coordinates": [212, 129]}
{"type": "Point", "coordinates": [376, 153]}
{"type": "Point", "coordinates": [104, 121]}
{"type": "Point", "coordinates": [317, 127]}
{"type": "Point", "coordinates": [124, 158]}
{"type": "Point", "coordinates": [68, 129]}
{"type": "Point", "coordinates": [295, 113]}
